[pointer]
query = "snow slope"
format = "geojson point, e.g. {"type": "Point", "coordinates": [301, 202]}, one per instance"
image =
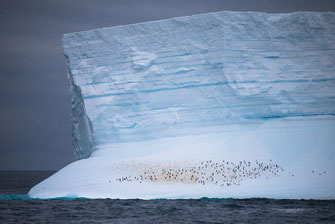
{"type": "Point", "coordinates": [225, 104]}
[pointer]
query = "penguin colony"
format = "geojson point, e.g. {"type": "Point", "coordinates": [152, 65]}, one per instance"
{"type": "Point", "coordinates": [223, 173]}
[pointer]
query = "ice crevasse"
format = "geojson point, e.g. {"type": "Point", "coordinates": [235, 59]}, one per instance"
{"type": "Point", "coordinates": [223, 104]}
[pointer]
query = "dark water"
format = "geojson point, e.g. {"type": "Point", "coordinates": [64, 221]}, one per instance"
{"type": "Point", "coordinates": [16, 207]}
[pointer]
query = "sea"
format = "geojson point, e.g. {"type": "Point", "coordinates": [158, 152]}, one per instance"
{"type": "Point", "coordinates": [17, 207]}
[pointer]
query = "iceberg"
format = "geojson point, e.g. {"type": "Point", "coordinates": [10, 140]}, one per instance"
{"type": "Point", "coordinates": [221, 105]}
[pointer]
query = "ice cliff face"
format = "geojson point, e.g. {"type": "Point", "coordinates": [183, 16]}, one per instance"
{"type": "Point", "coordinates": [185, 75]}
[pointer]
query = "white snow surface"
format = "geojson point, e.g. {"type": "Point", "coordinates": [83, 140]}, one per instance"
{"type": "Point", "coordinates": [225, 104]}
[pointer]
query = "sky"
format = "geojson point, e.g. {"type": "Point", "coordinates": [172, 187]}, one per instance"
{"type": "Point", "coordinates": [35, 110]}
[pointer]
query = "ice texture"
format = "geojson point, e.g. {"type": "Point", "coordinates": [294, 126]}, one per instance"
{"type": "Point", "coordinates": [224, 104]}
{"type": "Point", "coordinates": [183, 75]}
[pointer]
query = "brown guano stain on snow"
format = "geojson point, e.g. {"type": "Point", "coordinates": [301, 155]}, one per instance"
{"type": "Point", "coordinates": [221, 173]}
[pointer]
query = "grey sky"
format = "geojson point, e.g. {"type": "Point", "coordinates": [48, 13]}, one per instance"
{"type": "Point", "coordinates": [35, 129]}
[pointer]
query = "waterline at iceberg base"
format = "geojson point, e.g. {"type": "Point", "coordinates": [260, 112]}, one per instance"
{"type": "Point", "coordinates": [219, 105]}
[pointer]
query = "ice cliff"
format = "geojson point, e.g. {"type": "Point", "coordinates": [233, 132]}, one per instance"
{"type": "Point", "coordinates": [199, 86]}
{"type": "Point", "coordinates": [173, 77]}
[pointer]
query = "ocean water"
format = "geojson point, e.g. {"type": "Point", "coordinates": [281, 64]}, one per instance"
{"type": "Point", "coordinates": [17, 207]}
